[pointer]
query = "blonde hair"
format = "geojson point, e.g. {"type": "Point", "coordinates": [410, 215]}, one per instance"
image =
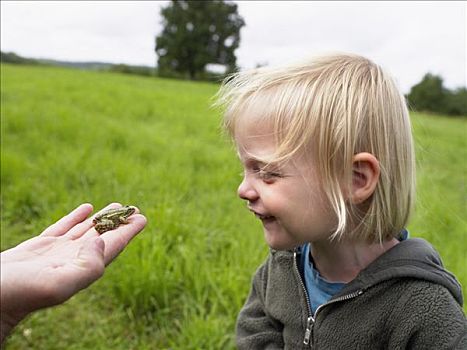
{"type": "Point", "coordinates": [341, 105]}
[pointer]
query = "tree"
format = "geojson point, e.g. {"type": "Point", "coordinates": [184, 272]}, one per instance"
{"type": "Point", "coordinates": [456, 102]}
{"type": "Point", "coordinates": [429, 94]}
{"type": "Point", "coordinates": [197, 33]}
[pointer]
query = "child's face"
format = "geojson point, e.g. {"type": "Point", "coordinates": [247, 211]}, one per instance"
{"type": "Point", "coordinates": [288, 200]}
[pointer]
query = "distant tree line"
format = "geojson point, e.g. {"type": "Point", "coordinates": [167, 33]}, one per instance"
{"type": "Point", "coordinates": [137, 70]}
{"type": "Point", "coordinates": [431, 96]}
{"type": "Point", "coordinates": [11, 57]}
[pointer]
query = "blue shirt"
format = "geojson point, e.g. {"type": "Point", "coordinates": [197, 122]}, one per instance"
{"type": "Point", "coordinates": [320, 290]}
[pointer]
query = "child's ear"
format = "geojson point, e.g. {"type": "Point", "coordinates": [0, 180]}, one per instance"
{"type": "Point", "coordinates": [365, 176]}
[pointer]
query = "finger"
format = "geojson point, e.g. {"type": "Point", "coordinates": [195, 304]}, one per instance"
{"type": "Point", "coordinates": [116, 240]}
{"type": "Point", "coordinates": [80, 229]}
{"type": "Point", "coordinates": [68, 221]}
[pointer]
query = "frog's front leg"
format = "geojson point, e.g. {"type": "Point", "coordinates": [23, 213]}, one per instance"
{"type": "Point", "coordinates": [123, 220]}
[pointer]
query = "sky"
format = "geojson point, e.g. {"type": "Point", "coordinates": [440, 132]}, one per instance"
{"type": "Point", "coordinates": [407, 38]}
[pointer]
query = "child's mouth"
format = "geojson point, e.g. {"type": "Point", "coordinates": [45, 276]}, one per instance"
{"type": "Point", "coordinates": [264, 217]}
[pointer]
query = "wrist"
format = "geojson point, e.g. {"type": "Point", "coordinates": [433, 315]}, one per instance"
{"type": "Point", "coordinates": [7, 323]}
{"type": "Point", "coordinates": [11, 307]}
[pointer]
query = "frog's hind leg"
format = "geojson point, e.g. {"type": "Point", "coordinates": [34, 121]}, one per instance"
{"type": "Point", "coordinates": [103, 226]}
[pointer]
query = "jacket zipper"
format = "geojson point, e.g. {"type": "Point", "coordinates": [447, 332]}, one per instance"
{"type": "Point", "coordinates": [311, 319]}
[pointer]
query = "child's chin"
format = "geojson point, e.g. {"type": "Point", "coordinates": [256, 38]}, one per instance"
{"type": "Point", "coordinates": [276, 243]}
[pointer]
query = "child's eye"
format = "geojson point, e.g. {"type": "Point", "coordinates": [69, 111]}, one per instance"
{"type": "Point", "coordinates": [268, 175]}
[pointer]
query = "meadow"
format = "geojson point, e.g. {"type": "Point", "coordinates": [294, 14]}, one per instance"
{"type": "Point", "coordinates": [71, 136]}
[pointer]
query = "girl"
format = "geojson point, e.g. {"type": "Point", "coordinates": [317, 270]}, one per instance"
{"type": "Point", "coordinates": [328, 161]}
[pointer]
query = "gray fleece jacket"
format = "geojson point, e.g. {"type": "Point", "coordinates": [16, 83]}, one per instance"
{"type": "Point", "coordinates": [405, 299]}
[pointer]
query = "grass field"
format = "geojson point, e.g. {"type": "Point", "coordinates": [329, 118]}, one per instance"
{"type": "Point", "coordinates": [72, 136]}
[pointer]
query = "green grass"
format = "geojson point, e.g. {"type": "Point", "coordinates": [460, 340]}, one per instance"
{"type": "Point", "coordinates": [72, 136]}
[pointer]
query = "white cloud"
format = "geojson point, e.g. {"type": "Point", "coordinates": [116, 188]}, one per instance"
{"type": "Point", "coordinates": [108, 31]}
{"type": "Point", "coordinates": [407, 38]}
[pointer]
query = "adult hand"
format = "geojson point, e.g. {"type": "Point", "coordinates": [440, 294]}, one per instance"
{"type": "Point", "coordinates": [50, 268]}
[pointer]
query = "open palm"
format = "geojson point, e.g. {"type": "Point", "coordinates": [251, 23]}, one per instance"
{"type": "Point", "coordinates": [68, 256]}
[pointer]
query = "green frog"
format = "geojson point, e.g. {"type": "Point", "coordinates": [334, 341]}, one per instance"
{"type": "Point", "coordinates": [112, 218]}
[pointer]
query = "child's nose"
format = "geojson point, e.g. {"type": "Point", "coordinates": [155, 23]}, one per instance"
{"type": "Point", "coordinates": [246, 191]}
